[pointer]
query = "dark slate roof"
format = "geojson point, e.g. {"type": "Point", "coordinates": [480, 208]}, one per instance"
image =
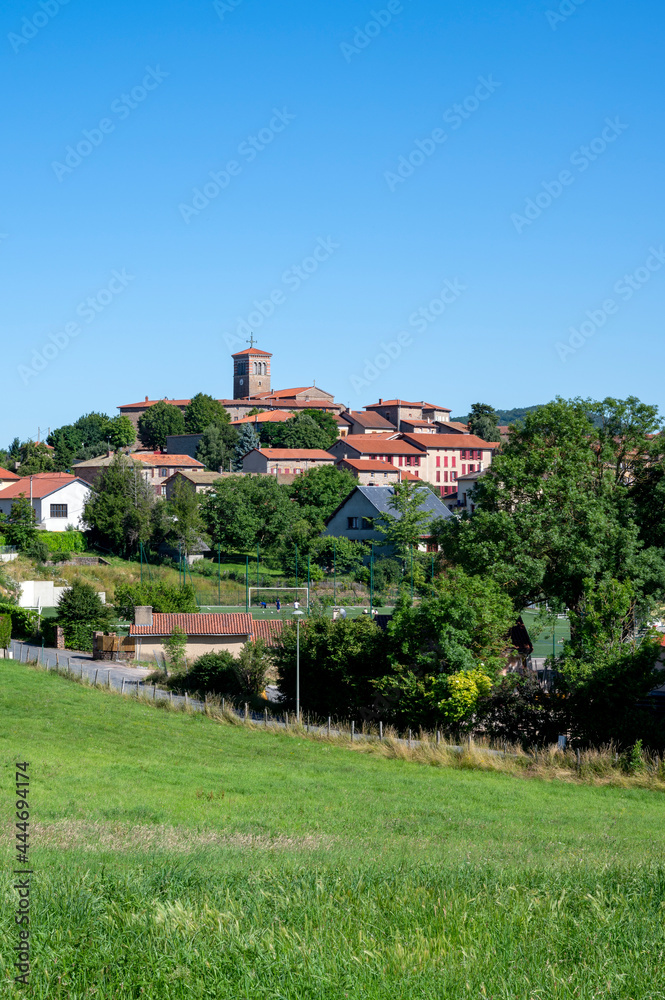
{"type": "Point", "coordinates": [379, 496]}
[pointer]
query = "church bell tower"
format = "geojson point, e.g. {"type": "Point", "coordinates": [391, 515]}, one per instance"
{"type": "Point", "coordinates": [251, 372]}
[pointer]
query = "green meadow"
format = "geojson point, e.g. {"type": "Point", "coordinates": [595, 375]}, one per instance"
{"type": "Point", "coordinates": [178, 857]}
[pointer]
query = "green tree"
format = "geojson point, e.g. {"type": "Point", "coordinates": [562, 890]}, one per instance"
{"type": "Point", "coordinates": [118, 515]}
{"type": "Point", "coordinates": [217, 446]}
{"type": "Point", "coordinates": [185, 523]}
{"type": "Point", "coordinates": [35, 457]}
{"type": "Point", "coordinates": [327, 423]}
{"type": "Point", "coordinates": [406, 526]}
{"type": "Point", "coordinates": [483, 422]}
{"type": "Point", "coordinates": [211, 673]}
{"type": "Point", "coordinates": [81, 612]}
{"type": "Point", "coordinates": [252, 667]}
{"type": "Point", "coordinates": [341, 554]}
{"type": "Point", "coordinates": [446, 652]}
{"type": "Point", "coordinates": [175, 650]}
{"type": "Point", "coordinates": [554, 509]}
{"type": "Point", "coordinates": [243, 511]}
{"type": "Point", "coordinates": [161, 597]}
{"type": "Point", "coordinates": [120, 432]}
{"type": "Point", "coordinates": [202, 411]}
{"type": "Point", "coordinates": [318, 492]}
{"type": "Point", "coordinates": [339, 661]}
{"type": "Point", "coordinates": [301, 431]}
{"type": "Point", "coordinates": [20, 525]}
{"type": "Point", "coordinates": [158, 422]}
{"type": "Point", "coordinates": [247, 441]}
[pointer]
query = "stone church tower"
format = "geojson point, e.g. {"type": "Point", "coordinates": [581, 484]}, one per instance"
{"type": "Point", "coordinates": [251, 373]}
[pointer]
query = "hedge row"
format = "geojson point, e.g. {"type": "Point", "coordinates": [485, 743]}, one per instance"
{"type": "Point", "coordinates": [63, 541]}
{"type": "Point", "coordinates": [24, 621]}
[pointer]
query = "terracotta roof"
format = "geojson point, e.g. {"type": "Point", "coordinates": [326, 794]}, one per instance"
{"type": "Point", "coordinates": [374, 444]}
{"type": "Point", "coordinates": [151, 402]}
{"type": "Point", "coordinates": [278, 393]}
{"type": "Point", "coordinates": [451, 441]}
{"type": "Point", "coordinates": [196, 624]}
{"type": "Point", "coordinates": [252, 351]}
{"type": "Point", "coordinates": [195, 476]}
{"type": "Point", "coordinates": [435, 406]}
{"type": "Point", "coordinates": [268, 629]}
{"type": "Point", "coordinates": [369, 465]}
{"type": "Point", "coordinates": [296, 454]}
{"type": "Point", "coordinates": [269, 417]}
{"type": "Point", "coordinates": [160, 458]}
{"type": "Point", "coordinates": [341, 419]}
{"type": "Point", "coordinates": [6, 474]}
{"type": "Point", "coordinates": [371, 419]}
{"type": "Point", "coordinates": [410, 475]}
{"type": "Point", "coordinates": [391, 402]}
{"type": "Point", "coordinates": [419, 423]}
{"type": "Point", "coordinates": [463, 428]}
{"type": "Point", "coordinates": [42, 485]}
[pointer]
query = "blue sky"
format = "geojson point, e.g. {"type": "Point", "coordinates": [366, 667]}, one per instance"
{"type": "Point", "coordinates": [514, 220]}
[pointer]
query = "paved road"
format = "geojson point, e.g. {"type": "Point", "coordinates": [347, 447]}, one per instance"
{"type": "Point", "coordinates": [81, 664]}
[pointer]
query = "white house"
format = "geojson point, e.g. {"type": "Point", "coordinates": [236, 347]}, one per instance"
{"type": "Point", "coordinates": [57, 498]}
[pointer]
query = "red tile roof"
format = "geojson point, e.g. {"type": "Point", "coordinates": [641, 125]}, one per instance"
{"type": "Point", "coordinates": [451, 441]}
{"type": "Point", "coordinates": [268, 629]}
{"type": "Point", "coordinates": [151, 402]}
{"type": "Point", "coordinates": [196, 624]}
{"type": "Point", "coordinates": [375, 444]}
{"type": "Point", "coordinates": [252, 351]}
{"type": "Point", "coordinates": [42, 485]}
{"type": "Point", "coordinates": [6, 474]}
{"type": "Point", "coordinates": [296, 454]}
{"type": "Point", "coordinates": [435, 406]}
{"type": "Point", "coordinates": [418, 423]}
{"type": "Point", "coordinates": [159, 458]}
{"type": "Point", "coordinates": [391, 402]}
{"type": "Point", "coordinates": [268, 417]}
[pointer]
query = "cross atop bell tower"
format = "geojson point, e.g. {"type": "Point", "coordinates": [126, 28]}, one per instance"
{"type": "Point", "coordinates": [251, 371]}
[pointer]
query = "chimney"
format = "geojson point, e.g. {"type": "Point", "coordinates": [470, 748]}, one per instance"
{"type": "Point", "coordinates": [146, 399]}
{"type": "Point", "coordinates": [380, 401]}
{"type": "Point", "coordinates": [143, 615]}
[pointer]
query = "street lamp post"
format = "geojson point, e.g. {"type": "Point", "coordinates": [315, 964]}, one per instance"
{"type": "Point", "coordinates": [298, 615]}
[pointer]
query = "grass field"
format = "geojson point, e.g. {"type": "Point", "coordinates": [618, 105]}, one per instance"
{"type": "Point", "coordinates": [175, 857]}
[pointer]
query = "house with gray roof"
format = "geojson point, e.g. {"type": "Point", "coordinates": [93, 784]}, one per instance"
{"type": "Point", "coordinates": [358, 516]}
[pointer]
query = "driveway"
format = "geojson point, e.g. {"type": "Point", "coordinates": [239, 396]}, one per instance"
{"type": "Point", "coordinates": [81, 664]}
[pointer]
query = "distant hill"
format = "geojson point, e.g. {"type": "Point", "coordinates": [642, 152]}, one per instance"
{"type": "Point", "coordinates": [506, 416]}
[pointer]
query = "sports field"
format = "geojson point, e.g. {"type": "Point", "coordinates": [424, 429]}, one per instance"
{"type": "Point", "coordinates": [176, 857]}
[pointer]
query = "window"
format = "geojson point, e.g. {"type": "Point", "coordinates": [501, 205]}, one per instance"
{"type": "Point", "coordinates": [438, 461]}
{"type": "Point", "coordinates": [163, 491]}
{"type": "Point", "coordinates": [416, 460]}
{"type": "Point", "coordinates": [432, 546]}
{"type": "Point", "coordinates": [438, 477]}
{"type": "Point", "coordinates": [368, 523]}
{"type": "Point", "coordinates": [464, 470]}
{"type": "Point", "coordinates": [445, 477]}
{"type": "Point", "coordinates": [58, 510]}
{"type": "Point", "coordinates": [352, 523]}
{"type": "Point", "coordinates": [445, 462]}
{"type": "Point", "coordinates": [400, 460]}
{"type": "Point", "coordinates": [453, 477]}
{"type": "Point", "coordinates": [454, 462]}
{"type": "Point", "coordinates": [163, 473]}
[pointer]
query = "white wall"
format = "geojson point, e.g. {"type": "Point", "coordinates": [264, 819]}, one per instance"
{"type": "Point", "coordinates": [75, 495]}
{"type": "Point", "coordinates": [44, 594]}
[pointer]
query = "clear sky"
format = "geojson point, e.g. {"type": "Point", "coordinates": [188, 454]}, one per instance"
{"type": "Point", "coordinates": [496, 165]}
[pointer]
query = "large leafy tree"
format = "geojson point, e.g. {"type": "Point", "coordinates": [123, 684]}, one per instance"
{"type": "Point", "coordinates": [120, 432]}
{"type": "Point", "coordinates": [446, 652]}
{"type": "Point", "coordinates": [301, 431]}
{"type": "Point", "coordinates": [35, 457]}
{"type": "Point", "coordinates": [247, 441]}
{"type": "Point", "coordinates": [89, 436]}
{"type": "Point", "coordinates": [554, 510]}
{"type": "Point", "coordinates": [119, 513]}
{"type": "Point", "coordinates": [183, 517]}
{"type": "Point", "coordinates": [217, 446]}
{"type": "Point", "coordinates": [243, 511]}
{"type": "Point", "coordinates": [484, 422]}
{"type": "Point", "coordinates": [158, 422]}
{"type": "Point", "coordinates": [318, 492]}
{"type": "Point", "coordinates": [202, 411]}
{"type": "Point", "coordinates": [81, 612]}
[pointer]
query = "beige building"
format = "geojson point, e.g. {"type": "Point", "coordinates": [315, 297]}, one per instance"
{"type": "Point", "coordinates": [271, 461]}
{"type": "Point", "coordinates": [198, 482]}
{"type": "Point", "coordinates": [205, 633]}
{"type": "Point", "coordinates": [368, 423]}
{"type": "Point", "coordinates": [156, 467]}
{"type": "Point", "coordinates": [397, 410]}
{"type": "Point", "coordinates": [370, 473]}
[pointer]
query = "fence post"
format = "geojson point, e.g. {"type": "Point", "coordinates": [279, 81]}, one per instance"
{"type": "Point", "coordinates": [81, 672]}
{"type": "Point", "coordinates": [154, 692]}
{"type": "Point", "coordinates": [96, 672]}
{"type": "Point", "coordinates": [246, 711]}
{"type": "Point", "coordinates": [122, 689]}
{"type": "Point", "coordinates": [438, 736]}
{"type": "Point", "coordinates": [409, 744]}
{"type": "Point", "coordinates": [353, 730]}
{"type": "Point", "coordinates": [579, 760]}
{"type": "Point", "coordinates": [328, 725]}
{"type": "Point", "coordinates": [186, 700]}
{"type": "Point", "coordinates": [223, 704]}
{"type": "Point", "coordinates": [265, 715]}
{"type": "Point", "coordinates": [171, 697]}
{"type": "Point", "coordinates": [380, 730]}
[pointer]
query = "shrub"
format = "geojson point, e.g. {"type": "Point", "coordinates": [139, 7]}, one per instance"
{"type": "Point", "coordinates": [5, 631]}
{"type": "Point", "coordinates": [63, 541]}
{"type": "Point", "coordinates": [80, 613]}
{"type": "Point", "coordinates": [175, 648]}
{"type": "Point", "coordinates": [24, 621]}
{"type": "Point", "coordinates": [37, 550]}
{"type": "Point", "coordinates": [212, 673]}
{"type": "Point", "coordinates": [251, 668]}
